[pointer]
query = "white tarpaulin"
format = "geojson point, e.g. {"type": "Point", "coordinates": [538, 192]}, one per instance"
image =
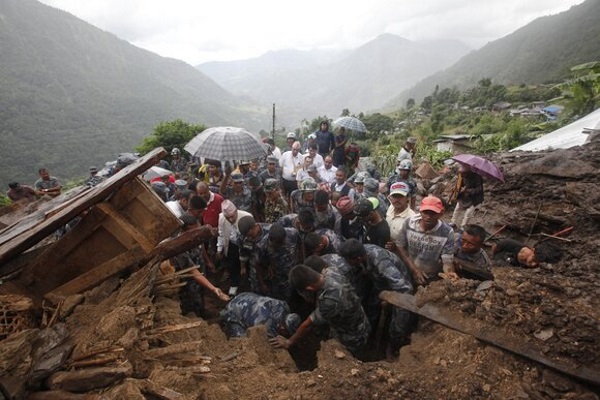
{"type": "Point", "coordinates": [574, 134]}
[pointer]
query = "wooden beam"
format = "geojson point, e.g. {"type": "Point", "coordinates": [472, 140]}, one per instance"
{"type": "Point", "coordinates": [122, 229]}
{"type": "Point", "coordinates": [58, 251]}
{"type": "Point", "coordinates": [38, 226]}
{"type": "Point", "coordinates": [95, 276]}
{"type": "Point", "coordinates": [490, 334]}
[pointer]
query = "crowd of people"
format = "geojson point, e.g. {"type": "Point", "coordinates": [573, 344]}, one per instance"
{"type": "Point", "coordinates": [308, 241]}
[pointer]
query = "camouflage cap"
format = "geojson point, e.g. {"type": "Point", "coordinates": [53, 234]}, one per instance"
{"type": "Point", "coordinates": [271, 185]}
{"type": "Point", "coordinates": [371, 185]}
{"type": "Point", "coordinates": [361, 176]}
{"type": "Point", "coordinates": [363, 207]}
{"type": "Point", "coordinates": [308, 185]}
{"type": "Point", "coordinates": [237, 177]}
{"type": "Point", "coordinates": [272, 159]}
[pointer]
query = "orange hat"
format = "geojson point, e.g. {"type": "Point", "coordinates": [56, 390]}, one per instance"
{"type": "Point", "coordinates": [432, 203]}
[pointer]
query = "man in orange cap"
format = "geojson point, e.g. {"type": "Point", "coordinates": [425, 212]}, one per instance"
{"type": "Point", "coordinates": [426, 243]}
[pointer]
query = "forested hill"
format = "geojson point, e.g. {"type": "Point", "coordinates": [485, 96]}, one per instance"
{"type": "Point", "coordinates": [73, 95]}
{"type": "Point", "coordinates": [540, 52]}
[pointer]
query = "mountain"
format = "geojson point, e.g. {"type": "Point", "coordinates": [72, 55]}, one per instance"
{"type": "Point", "coordinates": [542, 51]}
{"type": "Point", "coordinates": [307, 84]}
{"type": "Point", "coordinates": [73, 95]}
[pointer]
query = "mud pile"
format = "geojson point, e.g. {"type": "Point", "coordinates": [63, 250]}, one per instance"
{"type": "Point", "coordinates": [120, 340]}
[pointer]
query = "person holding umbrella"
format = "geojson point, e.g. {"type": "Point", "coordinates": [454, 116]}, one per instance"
{"type": "Point", "coordinates": [468, 194]}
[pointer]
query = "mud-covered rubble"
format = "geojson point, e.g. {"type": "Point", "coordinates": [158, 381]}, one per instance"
{"type": "Point", "coordinates": [120, 340]}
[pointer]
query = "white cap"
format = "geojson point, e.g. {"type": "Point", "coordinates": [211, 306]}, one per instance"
{"type": "Point", "coordinates": [291, 135]}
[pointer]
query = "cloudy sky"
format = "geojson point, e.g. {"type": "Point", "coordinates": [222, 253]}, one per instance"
{"type": "Point", "coordinates": [222, 30]}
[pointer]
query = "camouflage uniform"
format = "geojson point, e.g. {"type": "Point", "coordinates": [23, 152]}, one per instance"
{"type": "Point", "coordinates": [277, 263]}
{"type": "Point", "coordinates": [335, 240]}
{"type": "Point", "coordinates": [264, 175]}
{"type": "Point", "coordinates": [191, 296]}
{"type": "Point", "coordinates": [250, 309]}
{"type": "Point", "coordinates": [388, 272]}
{"type": "Point", "coordinates": [299, 203]}
{"type": "Point", "coordinates": [249, 253]}
{"type": "Point", "coordinates": [330, 219]}
{"type": "Point", "coordinates": [93, 180]}
{"type": "Point", "coordinates": [243, 201]}
{"type": "Point", "coordinates": [275, 210]}
{"type": "Point", "coordinates": [339, 306]}
{"type": "Point", "coordinates": [338, 266]}
{"type": "Point", "coordinates": [179, 165]}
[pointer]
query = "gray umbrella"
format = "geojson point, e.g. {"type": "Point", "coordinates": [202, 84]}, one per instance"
{"type": "Point", "coordinates": [351, 123]}
{"type": "Point", "coordinates": [226, 143]}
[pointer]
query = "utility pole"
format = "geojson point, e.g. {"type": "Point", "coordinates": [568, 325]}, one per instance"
{"type": "Point", "coordinates": [273, 130]}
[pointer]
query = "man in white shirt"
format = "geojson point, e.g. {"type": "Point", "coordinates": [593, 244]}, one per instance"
{"type": "Point", "coordinates": [226, 247]}
{"type": "Point", "coordinates": [407, 151]}
{"type": "Point", "coordinates": [398, 211]}
{"type": "Point", "coordinates": [327, 171]}
{"type": "Point", "coordinates": [317, 158]}
{"type": "Point", "coordinates": [179, 207]}
{"type": "Point", "coordinates": [290, 162]}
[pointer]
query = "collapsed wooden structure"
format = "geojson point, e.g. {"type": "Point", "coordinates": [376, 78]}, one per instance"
{"type": "Point", "coordinates": [121, 222]}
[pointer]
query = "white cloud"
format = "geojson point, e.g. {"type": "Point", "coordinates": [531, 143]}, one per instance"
{"type": "Point", "coordinates": [199, 31]}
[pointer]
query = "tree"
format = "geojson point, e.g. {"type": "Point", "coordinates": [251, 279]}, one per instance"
{"type": "Point", "coordinates": [170, 134]}
{"type": "Point", "coordinates": [410, 103]}
{"type": "Point", "coordinates": [583, 90]}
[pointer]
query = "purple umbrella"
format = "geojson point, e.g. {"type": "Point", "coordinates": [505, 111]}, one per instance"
{"type": "Point", "coordinates": [480, 166]}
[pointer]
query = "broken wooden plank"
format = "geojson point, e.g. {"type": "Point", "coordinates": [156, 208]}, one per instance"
{"type": "Point", "coordinates": [173, 328]}
{"type": "Point", "coordinates": [192, 238]}
{"type": "Point", "coordinates": [488, 334]}
{"type": "Point", "coordinates": [95, 276]}
{"type": "Point", "coordinates": [186, 347]}
{"type": "Point", "coordinates": [36, 227]}
{"type": "Point", "coordinates": [89, 379]}
{"type": "Point", "coordinates": [64, 395]}
{"type": "Point", "coordinates": [163, 393]}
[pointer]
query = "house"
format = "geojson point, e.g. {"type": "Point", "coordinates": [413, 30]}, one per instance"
{"type": "Point", "coordinates": [501, 106]}
{"type": "Point", "coordinates": [457, 144]}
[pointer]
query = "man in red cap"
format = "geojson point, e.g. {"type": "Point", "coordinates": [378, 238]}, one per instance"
{"type": "Point", "coordinates": [426, 243]}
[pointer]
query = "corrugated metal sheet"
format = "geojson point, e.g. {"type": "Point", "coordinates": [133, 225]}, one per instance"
{"type": "Point", "coordinates": [568, 136]}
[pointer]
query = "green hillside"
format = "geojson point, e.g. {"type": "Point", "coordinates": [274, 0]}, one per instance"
{"type": "Point", "coordinates": [540, 52]}
{"type": "Point", "coordinates": [73, 95]}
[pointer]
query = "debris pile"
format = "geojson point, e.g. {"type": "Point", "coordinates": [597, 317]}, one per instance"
{"type": "Point", "coordinates": [124, 336]}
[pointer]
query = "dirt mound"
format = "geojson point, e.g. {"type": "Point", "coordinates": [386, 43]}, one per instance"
{"type": "Point", "coordinates": [119, 340]}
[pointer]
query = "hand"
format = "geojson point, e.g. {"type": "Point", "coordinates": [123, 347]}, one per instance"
{"type": "Point", "coordinates": [243, 271]}
{"type": "Point", "coordinates": [214, 232]}
{"type": "Point", "coordinates": [419, 276]}
{"type": "Point", "coordinates": [222, 296]}
{"type": "Point", "coordinates": [391, 246]}
{"type": "Point", "coordinates": [448, 276]}
{"type": "Point", "coordinates": [280, 342]}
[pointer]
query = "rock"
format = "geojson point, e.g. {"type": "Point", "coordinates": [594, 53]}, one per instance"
{"type": "Point", "coordinates": [487, 388]}
{"type": "Point", "coordinates": [311, 383]}
{"type": "Point", "coordinates": [354, 372]}
{"type": "Point", "coordinates": [486, 285]}
{"type": "Point", "coordinates": [339, 354]}
{"type": "Point", "coordinates": [426, 171]}
{"type": "Point", "coordinates": [544, 334]}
